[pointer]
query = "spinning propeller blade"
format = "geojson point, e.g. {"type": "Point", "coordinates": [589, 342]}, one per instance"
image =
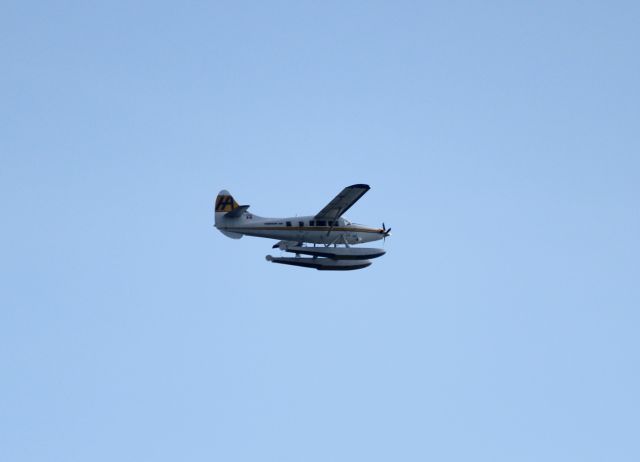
{"type": "Point", "coordinates": [385, 232]}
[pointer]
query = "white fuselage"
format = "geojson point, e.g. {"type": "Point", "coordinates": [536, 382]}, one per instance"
{"type": "Point", "coordinates": [298, 229]}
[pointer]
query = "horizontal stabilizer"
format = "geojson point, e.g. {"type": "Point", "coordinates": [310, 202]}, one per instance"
{"type": "Point", "coordinates": [238, 211]}
{"type": "Point", "coordinates": [231, 234]}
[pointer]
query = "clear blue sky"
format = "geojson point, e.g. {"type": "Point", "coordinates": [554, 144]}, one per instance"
{"type": "Point", "coordinates": [501, 141]}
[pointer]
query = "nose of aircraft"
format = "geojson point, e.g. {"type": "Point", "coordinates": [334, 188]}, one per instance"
{"type": "Point", "coordinates": [385, 232]}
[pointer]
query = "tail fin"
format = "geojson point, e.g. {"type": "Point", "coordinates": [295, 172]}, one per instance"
{"type": "Point", "coordinates": [226, 207]}
{"type": "Point", "coordinates": [225, 202]}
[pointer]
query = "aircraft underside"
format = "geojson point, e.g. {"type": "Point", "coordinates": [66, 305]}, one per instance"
{"type": "Point", "coordinates": [326, 257]}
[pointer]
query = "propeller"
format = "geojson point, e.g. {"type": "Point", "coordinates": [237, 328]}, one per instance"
{"type": "Point", "coordinates": [385, 232]}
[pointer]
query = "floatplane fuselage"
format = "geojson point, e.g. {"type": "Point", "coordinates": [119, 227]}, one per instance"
{"type": "Point", "coordinates": [327, 228]}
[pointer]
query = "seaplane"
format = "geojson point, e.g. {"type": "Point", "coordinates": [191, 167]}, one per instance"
{"type": "Point", "coordinates": [330, 234]}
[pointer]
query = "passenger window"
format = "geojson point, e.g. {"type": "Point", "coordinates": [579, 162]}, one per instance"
{"type": "Point", "coordinates": [301, 223]}
{"type": "Point", "coordinates": [312, 223]}
{"type": "Point", "coordinates": [288, 223]}
{"type": "Point", "coordinates": [322, 223]}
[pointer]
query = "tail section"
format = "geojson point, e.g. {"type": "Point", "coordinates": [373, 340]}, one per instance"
{"type": "Point", "coordinates": [226, 210]}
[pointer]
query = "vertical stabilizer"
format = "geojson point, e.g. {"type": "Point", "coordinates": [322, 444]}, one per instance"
{"type": "Point", "coordinates": [224, 206]}
{"type": "Point", "coordinates": [225, 202]}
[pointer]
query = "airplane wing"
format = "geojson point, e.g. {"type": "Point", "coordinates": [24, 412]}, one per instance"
{"type": "Point", "coordinates": [342, 202]}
